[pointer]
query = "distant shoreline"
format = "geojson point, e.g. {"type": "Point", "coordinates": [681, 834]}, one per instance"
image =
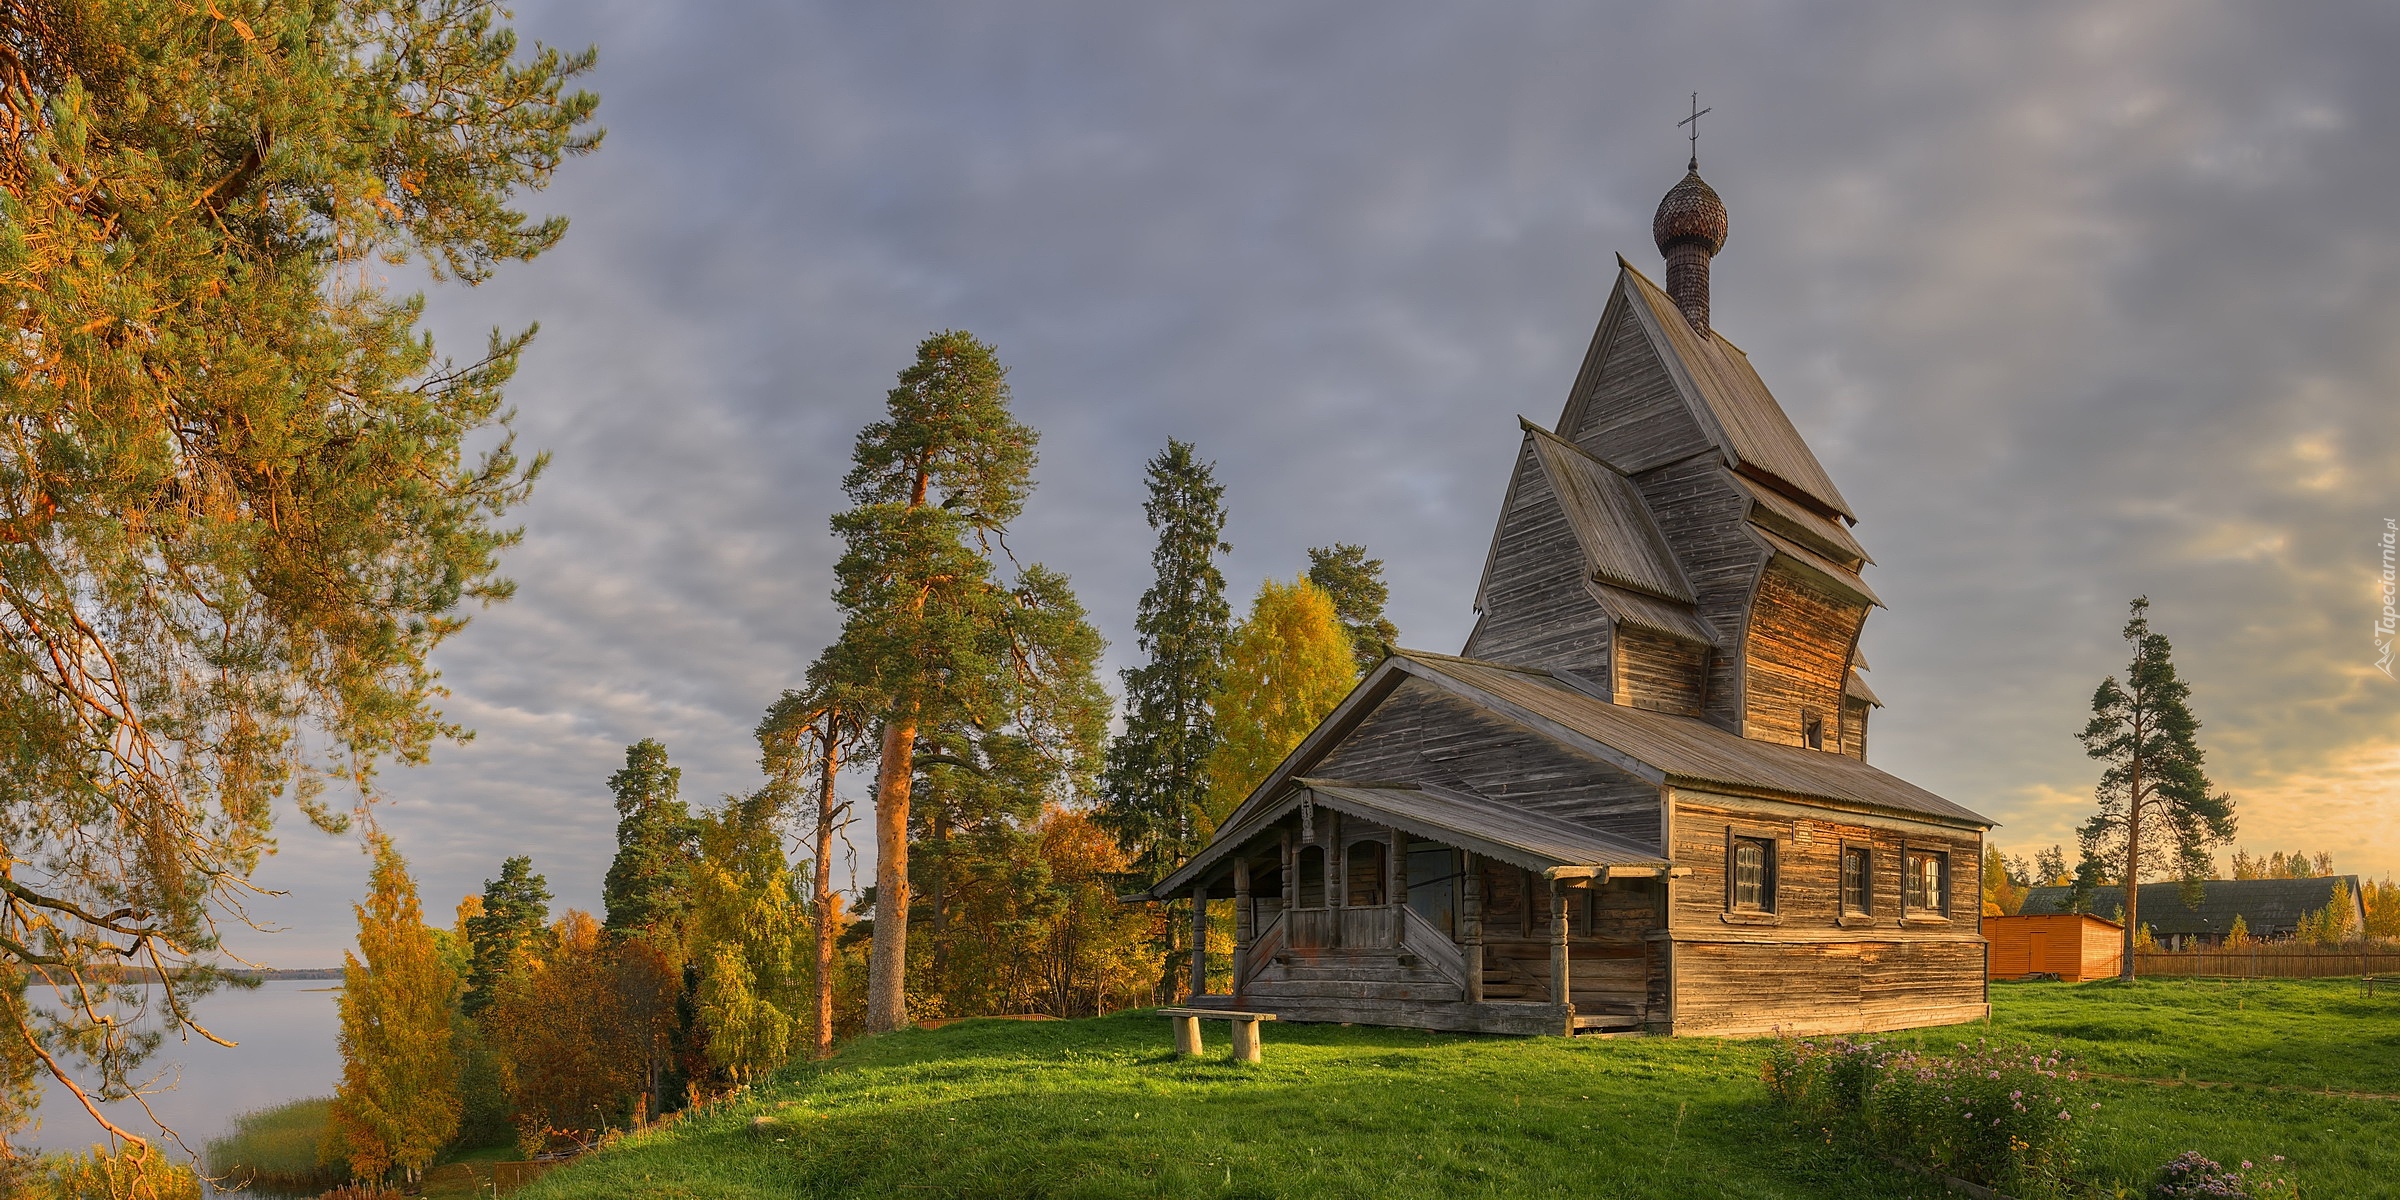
{"type": "Point", "coordinates": [260, 974]}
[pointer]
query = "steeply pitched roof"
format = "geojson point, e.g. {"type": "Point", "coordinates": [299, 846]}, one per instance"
{"type": "Point", "coordinates": [1683, 750]}
{"type": "Point", "coordinates": [1621, 543]}
{"type": "Point", "coordinates": [1734, 405]}
{"type": "Point", "coordinates": [1512, 835]}
{"type": "Point", "coordinates": [2268, 907]}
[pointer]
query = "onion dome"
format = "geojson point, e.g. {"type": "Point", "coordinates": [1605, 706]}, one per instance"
{"type": "Point", "coordinates": [1692, 213]}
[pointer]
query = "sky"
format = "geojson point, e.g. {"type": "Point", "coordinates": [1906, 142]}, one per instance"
{"type": "Point", "coordinates": [2076, 302]}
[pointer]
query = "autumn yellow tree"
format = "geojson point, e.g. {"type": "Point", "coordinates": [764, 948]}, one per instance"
{"type": "Point", "coordinates": [575, 1032]}
{"type": "Point", "coordinates": [750, 941]}
{"type": "Point", "coordinates": [1287, 665]}
{"type": "Point", "coordinates": [398, 1103]}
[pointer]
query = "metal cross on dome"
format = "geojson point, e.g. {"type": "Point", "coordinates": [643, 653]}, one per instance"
{"type": "Point", "coordinates": [1694, 121]}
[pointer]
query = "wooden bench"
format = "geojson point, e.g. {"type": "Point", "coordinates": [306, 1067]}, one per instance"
{"type": "Point", "coordinates": [1245, 1029]}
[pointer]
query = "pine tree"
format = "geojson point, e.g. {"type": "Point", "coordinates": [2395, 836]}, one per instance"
{"type": "Point", "coordinates": [2050, 867]}
{"type": "Point", "coordinates": [241, 495]}
{"type": "Point", "coordinates": [1288, 665]}
{"type": "Point", "coordinates": [930, 631]}
{"type": "Point", "coordinates": [505, 929]}
{"type": "Point", "coordinates": [2154, 798]}
{"type": "Point", "coordinates": [806, 732]}
{"type": "Point", "coordinates": [1156, 785]}
{"type": "Point", "coordinates": [1355, 582]}
{"type": "Point", "coordinates": [649, 882]}
{"type": "Point", "coordinates": [398, 1103]}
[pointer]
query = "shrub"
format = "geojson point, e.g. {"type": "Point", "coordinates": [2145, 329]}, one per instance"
{"type": "Point", "coordinates": [143, 1174]}
{"type": "Point", "coordinates": [277, 1150]}
{"type": "Point", "coordinates": [1997, 1115]}
{"type": "Point", "coordinates": [2189, 1176]}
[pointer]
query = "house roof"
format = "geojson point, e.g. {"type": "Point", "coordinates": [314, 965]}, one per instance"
{"type": "Point", "coordinates": [1511, 835]}
{"type": "Point", "coordinates": [2268, 907]}
{"type": "Point", "coordinates": [1734, 405]}
{"type": "Point", "coordinates": [1685, 751]}
{"type": "Point", "coordinates": [1661, 748]}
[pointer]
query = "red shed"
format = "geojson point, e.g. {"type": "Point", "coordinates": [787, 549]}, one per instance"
{"type": "Point", "coordinates": [2073, 946]}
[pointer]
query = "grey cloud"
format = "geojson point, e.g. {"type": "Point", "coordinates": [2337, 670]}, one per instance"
{"type": "Point", "coordinates": [2075, 301]}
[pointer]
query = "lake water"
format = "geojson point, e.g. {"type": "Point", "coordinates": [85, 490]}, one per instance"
{"type": "Point", "coordinates": [284, 1033]}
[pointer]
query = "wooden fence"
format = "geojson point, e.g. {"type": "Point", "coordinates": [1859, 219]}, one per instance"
{"type": "Point", "coordinates": [2268, 962]}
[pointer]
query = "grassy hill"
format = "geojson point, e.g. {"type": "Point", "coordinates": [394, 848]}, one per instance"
{"type": "Point", "coordinates": [1099, 1108]}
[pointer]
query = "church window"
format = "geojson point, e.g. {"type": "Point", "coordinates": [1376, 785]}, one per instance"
{"type": "Point", "coordinates": [1812, 731]}
{"type": "Point", "coordinates": [1855, 877]}
{"type": "Point", "coordinates": [1753, 875]}
{"type": "Point", "coordinates": [1928, 882]}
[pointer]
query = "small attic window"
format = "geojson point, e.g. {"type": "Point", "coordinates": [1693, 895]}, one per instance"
{"type": "Point", "coordinates": [1812, 731]}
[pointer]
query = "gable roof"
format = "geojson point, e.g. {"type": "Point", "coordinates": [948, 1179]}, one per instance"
{"type": "Point", "coordinates": [1526, 839]}
{"type": "Point", "coordinates": [1731, 402]}
{"type": "Point", "coordinates": [1621, 542]}
{"type": "Point", "coordinates": [1661, 748]}
{"type": "Point", "coordinates": [2268, 907]}
{"type": "Point", "coordinates": [1681, 751]}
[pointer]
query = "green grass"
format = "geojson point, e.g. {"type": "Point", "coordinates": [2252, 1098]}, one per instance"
{"type": "Point", "coordinates": [1100, 1109]}
{"type": "Point", "coordinates": [275, 1149]}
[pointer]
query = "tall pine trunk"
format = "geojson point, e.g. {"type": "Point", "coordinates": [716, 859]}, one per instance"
{"type": "Point", "coordinates": [887, 957]}
{"type": "Point", "coordinates": [822, 893]}
{"type": "Point", "coordinates": [2133, 856]}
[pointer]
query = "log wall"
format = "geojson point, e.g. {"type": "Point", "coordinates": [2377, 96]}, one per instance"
{"type": "Point", "coordinates": [1806, 966]}
{"type": "Point", "coordinates": [1659, 673]}
{"type": "Point", "coordinates": [1801, 639]}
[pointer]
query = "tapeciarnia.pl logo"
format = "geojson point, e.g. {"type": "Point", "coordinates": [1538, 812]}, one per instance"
{"type": "Point", "coordinates": [2387, 624]}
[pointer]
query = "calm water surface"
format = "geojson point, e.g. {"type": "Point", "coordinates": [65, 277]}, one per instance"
{"type": "Point", "coordinates": [284, 1033]}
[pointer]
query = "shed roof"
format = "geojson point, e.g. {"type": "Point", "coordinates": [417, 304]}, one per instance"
{"type": "Point", "coordinates": [1740, 414]}
{"type": "Point", "coordinates": [1511, 835]}
{"type": "Point", "coordinates": [2268, 907]}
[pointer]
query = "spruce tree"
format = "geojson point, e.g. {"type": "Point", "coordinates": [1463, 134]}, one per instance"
{"type": "Point", "coordinates": [2154, 799]}
{"type": "Point", "coordinates": [243, 498]}
{"type": "Point", "coordinates": [398, 1103]}
{"type": "Point", "coordinates": [930, 630]}
{"type": "Point", "coordinates": [648, 885]}
{"type": "Point", "coordinates": [504, 931]}
{"type": "Point", "coordinates": [1156, 783]}
{"type": "Point", "coordinates": [1355, 582]}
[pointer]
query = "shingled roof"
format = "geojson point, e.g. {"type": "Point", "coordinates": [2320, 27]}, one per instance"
{"type": "Point", "coordinates": [2268, 907]}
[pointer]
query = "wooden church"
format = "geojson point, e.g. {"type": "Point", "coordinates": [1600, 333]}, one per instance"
{"type": "Point", "coordinates": [1639, 799]}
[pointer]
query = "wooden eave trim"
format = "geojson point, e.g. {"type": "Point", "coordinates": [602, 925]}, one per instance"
{"type": "Point", "coordinates": [1685, 636]}
{"type": "Point", "coordinates": [1790, 491]}
{"type": "Point", "coordinates": [1818, 569]}
{"type": "Point", "coordinates": [1685, 785]}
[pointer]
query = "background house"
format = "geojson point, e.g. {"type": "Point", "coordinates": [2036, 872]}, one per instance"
{"type": "Point", "coordinates": [2269, 908]}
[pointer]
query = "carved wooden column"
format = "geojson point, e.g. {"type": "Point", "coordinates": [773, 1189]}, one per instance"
{"type": "Point", "coordinates": [1245, 926]}
{"type": "Point", "coordinates": [1337, 877]}
{"type": "Point", "coordinates": [1396, 884]}
{"type": "Point", "coordinates": [1558, 942]}
{"type": "Point", "coordinates": [1199, 939]}
{"type": "Point", "coordinates": [1291, 879]}
{"type": "Point", "coordinates": [1471, 926]}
